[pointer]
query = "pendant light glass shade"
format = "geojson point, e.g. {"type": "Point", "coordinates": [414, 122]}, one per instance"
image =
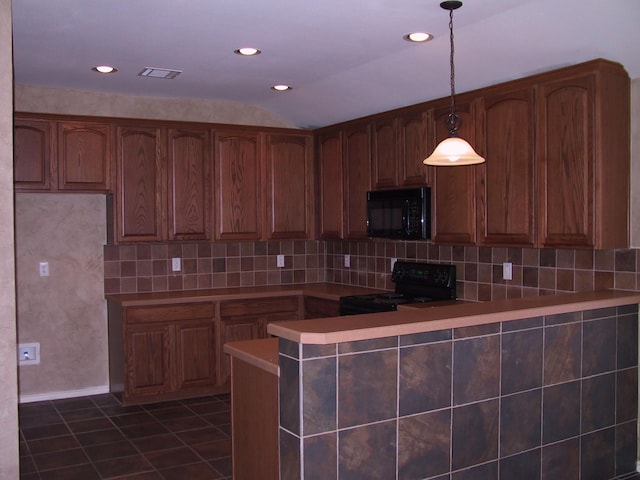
{"type": "Point", "coordinates": [453, 151]}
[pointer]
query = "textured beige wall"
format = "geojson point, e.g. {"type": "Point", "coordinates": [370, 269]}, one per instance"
{"type": "Point", "coordinates": [9, 466]}
{"type": "Point", "coordinates": [76, 102]}
{"type": "Point", "coordinates": [65, 312]}
{"type": "Point", "coordinates": [635, 163]}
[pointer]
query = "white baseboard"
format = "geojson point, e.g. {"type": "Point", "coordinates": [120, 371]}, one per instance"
{"type": "Point", "coordinates": [39, 397]}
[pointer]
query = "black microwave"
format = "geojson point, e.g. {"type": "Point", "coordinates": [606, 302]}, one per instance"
{"type": "Point", "coordinates": [401, 214]}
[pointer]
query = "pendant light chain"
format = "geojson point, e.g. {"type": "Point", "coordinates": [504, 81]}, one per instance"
{"type": "Point", "coordinates": [452, 121]}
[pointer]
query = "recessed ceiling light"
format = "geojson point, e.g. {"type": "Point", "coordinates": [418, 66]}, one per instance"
{"type": "Point", "coordinates": [418, 37]}
{"type": "Point", "coordinates": [104, 69]}
{"type": "Point", "coordinates": [247, 51]}
{"type": "Point", "coordinates": [281, 88]}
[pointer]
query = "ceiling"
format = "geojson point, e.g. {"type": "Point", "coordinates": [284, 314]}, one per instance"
{"type": "Point", "coordinates": [344, 58]}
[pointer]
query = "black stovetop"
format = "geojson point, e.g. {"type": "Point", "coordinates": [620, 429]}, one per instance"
{"type": "Point", "coordinates": [415, 282]}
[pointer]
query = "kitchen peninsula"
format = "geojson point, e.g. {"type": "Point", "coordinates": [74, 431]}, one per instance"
{"type": "Point", "coordinates": [540, 387]}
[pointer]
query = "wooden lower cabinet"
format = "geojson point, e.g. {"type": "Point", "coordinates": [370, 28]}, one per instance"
{"type": "Point", "coordinates": [315, 307]}
{"type": "Point", "coordinates": [248, 320]}
{"type": "Point", "coordinates": [162, 352]}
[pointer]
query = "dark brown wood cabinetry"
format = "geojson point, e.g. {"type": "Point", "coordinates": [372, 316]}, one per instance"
{"type": "Point", "coordinates": [398, 147]}
{"type": "Point", "coordinates": [189, 184]}
{"type": "Point", "coordinates": [384, 154]}
{"type": "Point", "coordinates": [506, 202]}
{"type": "Point", "coordinates": [330, 186]}
{"type": "Point", "coordinates": [84, 156]}
{"type": "Point", "coordinates": [413, 142]}
{"type": "Point", "coordinates": [583, 144]}
{"type": "Point", "coordinates": [238, 186]}
{"type": "Point", "coordinates": [33, 148]}
{"type": "Point", "coordinates": [139, 199]}
{"type": "Point", "coordinates": [162, 352]}
{"type": "Point", "coordinates": [289, 180]}
{"type": "Point", "coordinates": [248, 320]}
{"type": "Point", "coordinates": [51, 155]}
{"type": "Point", "coordinates": [357, 179]}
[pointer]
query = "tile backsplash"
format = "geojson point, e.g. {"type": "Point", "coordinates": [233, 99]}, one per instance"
{"type": "Point", "coordinates": [147, 267]}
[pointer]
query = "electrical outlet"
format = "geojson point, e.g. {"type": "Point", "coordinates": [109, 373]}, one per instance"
{"type": "Point", "coordinates": [507, 271]}
{"type": "Point", "coordinates": [29, 353]}
{"type": "Point", "coordinates": [176, 264]}
{"type": "Point", "coordinates": [43, 268]}
{"type": "Point", "coordinates": [347, 261]}
{"type": "Point", "coordinates": [393, 262]}
{"type": "Point", "coordinates": [280, 261]}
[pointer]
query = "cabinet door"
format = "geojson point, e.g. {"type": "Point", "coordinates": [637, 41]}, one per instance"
{"type": "Point", "coordinates": [357, 168]}
{"type": "Point", "coordinates": [195, 354]}
{"type": "Point", "coordinates": [413, 144]}
{"type": "Point", "coordinates": [454, 187]}
{"type": "Point", "coordinates": [84, 156]}
{"type": "Point", "coordinates": [566, 152]}
{"type": "Point", "coordinates": [330, 185]}
{"type": "Point", "coordinates": [384, 154]}
{"type": "Point", "coordinates": [148, 359]}
{"type": "Point", "coordinates": [139, 213]}
{"type": "Point", "coordinates": [289, 180]}
{"type": "Point", "coordinates": [32, 152]}
{"type": "Point", "coordinates": [506, 182]}
{"type": "Point", "coordinates": [189, 192]}
{"type": "Point", "coordinates": [234, 329]}
{"type": "Point", "coordinates": [238, 180]}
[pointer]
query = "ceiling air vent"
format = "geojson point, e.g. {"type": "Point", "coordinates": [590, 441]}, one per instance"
{"type": "Point", "coordinates": [160, 73]}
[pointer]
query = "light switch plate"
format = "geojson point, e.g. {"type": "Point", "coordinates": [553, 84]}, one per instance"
{"type": "Point", "coordinates": [280, 261]}
{"type": "Point", "coordinates": [347, 261]}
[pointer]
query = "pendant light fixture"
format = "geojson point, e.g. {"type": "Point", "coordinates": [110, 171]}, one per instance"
{"type": "Point", "coordinates": [453, 151]}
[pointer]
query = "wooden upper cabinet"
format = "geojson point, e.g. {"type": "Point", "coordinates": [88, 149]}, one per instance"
{"type": "Point", "coordinates": [139, 185]}
{"type": "Point", "coordinates": [289, 180]}
{"type": "Point", "coordinates": [330, 185]}
{"type": "Point", "coordinates": [33, 148]}
{"type": "Point", "coordinates": [189, 191]}
{"type": "Point", "coordinates": [238, 186]}
{"type": "Point", "coordinates": [84, 156]}
{"type": "Point", "coordinates": [506, 181]}
{"type": "Point", "coordinates": [384, 154]}
{"type": "Point", "coordinates": [357, 173]}
{"type": "Point", "coordinates": [412, 149]}
{"type": "Point", "coordinates": [453, 188]}
{"type": "Point", "coordinates": [583, 147]}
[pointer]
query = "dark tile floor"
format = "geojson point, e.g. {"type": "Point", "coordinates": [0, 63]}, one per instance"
{"type": "Point", "coordinates": [96, 438]}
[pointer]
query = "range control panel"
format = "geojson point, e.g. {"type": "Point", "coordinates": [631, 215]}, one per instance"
{"type": "Point", "coordinates": [424, 274]}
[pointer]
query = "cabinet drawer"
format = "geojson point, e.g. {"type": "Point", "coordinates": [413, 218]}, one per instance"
{"type": "Point", "coordinates": [258, 306]}
{"type": "Point", "coordinates": [165, 313]}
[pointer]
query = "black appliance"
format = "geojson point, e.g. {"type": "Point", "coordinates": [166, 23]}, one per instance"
{"type": "Point", "coordinates": [414, 283]}
{"type": "Point", "coordinates": [402, 214]}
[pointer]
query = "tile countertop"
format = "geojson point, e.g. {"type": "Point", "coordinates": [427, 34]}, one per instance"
{"type": "Point", "coordinates": [417, 320]}
{"type": "Point", "coordinates": [328, 291]}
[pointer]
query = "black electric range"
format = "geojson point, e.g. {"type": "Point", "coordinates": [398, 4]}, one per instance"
{"type": "Point", "coordinates": [415, 282]}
